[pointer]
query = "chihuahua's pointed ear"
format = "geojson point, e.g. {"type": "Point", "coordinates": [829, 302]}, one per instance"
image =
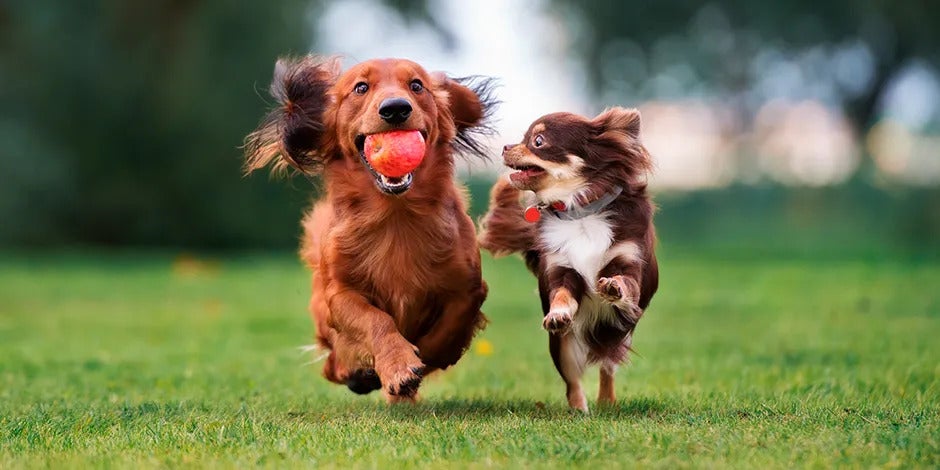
{"type": "Point", "coordinates": [617, 119]}
{"type": "Point", "coordinates": [471, 104]}
{"type": "Point", "coordinates": [618, 129]}
{"type": "Point", "coordinates": [292, 135]}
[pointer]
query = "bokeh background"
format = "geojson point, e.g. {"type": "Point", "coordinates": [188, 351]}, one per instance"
{"type": "Point", "coordinates": [794, 128]}
{"type": "Point", "coordinates": [152, 305]}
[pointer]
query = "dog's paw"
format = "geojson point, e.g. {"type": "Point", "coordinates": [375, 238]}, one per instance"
{"type": "Point", "coordinates": [611, 289]}
{"type": "Point", "coordinates": [399, 368]}
{"type": "Point", "coordinates": [405, 382]}
{"type": "Point", "coordinates": [557, 321]}
{"type": "Point", "coordinates": [398, 399]}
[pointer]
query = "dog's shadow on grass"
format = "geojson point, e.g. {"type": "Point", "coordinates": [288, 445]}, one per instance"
{"type": "Point", "coordinates": [495, 408]}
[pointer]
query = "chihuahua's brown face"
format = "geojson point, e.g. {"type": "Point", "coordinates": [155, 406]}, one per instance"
{"type": "Point", "coordinates": [562, 153]}
{"type": "Point", "coordinates": [549, 156]}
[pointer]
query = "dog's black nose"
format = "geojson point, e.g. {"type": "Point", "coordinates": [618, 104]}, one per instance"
{"type": "Point", "coordinates": [395, 110]}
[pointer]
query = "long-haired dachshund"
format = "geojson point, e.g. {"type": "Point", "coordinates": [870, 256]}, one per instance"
{"type": "Point", "coordinates": [397, 287]}
{"type": "Point", "coordinates": [588, 236]}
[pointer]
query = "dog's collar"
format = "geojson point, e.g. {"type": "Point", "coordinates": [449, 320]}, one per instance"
{"type": "Point", "coordinates": [559, 209]}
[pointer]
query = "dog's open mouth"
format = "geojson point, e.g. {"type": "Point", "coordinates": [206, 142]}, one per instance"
{"type": "Point", "coordinates": [393, 185]}
{"type": "Point", "coordinates": [523, 173]}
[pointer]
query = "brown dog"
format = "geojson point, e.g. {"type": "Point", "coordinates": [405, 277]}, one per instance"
{"type": "Point", "coordinates": [588, 236]}
{"type": "Point", "coordinates": [397, 286]}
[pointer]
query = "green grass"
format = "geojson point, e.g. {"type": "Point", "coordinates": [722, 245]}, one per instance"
{"type": "Point", "coordinates": [126, 360]}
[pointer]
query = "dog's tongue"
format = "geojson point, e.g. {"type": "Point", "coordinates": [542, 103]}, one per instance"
{"type": "Point", "coordinates": [395, 153]}
{"type": "Point", "coordinates": [522, 175]}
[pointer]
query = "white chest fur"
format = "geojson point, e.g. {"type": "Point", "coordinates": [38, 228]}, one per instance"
{"type": "Point", "coordinates": [580, 244]}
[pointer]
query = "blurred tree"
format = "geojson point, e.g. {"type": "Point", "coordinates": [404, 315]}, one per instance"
{"type": "Point", "coordinates": [122, 120]}
{"type": "Point", "coordinates": [844, 53]}
{"type": "Point", "coordinates": [727, 47]}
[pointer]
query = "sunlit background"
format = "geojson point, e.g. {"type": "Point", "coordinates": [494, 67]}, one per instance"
{"type": "Point", "coordinates": [709, 90]}
{"type": "Point", "coordinates": [790, 127]}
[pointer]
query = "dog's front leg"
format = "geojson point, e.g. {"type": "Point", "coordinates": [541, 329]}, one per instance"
{"type": "Point", "coordinates": [396, 360]}
{"type": "Point", "coordinates": [565, 288]}
{"type": "Point", "coordinates": [619, 284]}
{"type": "Point", "coordinates": [451, 333]}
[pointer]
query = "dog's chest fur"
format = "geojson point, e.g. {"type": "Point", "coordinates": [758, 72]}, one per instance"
{"type": "Point", "coordinates": [587, 245]}
{"type": "Point", "coordinates": [581, 244]}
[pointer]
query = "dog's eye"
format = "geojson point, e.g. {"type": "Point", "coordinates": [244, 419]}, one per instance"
{"type": "Point", "coordinates": [361, 88]}
{"type": "Point", "coordinates": [417, 86]}
{"type": "Point", "coordinates": [539, 141]}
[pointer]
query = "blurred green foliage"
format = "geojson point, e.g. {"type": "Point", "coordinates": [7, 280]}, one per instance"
{"type": "Point", "coordinates": [772, 221]}
{"type": "Point", "coordinates": [121, 124]}
{"type": "Point", "coordinates": [844, 53]}
{"type": "Point", "coordinates": [121, 121]}
{"type": "Point", "coordinates": [715, 42]}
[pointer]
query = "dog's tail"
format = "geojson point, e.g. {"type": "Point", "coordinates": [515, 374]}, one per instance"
{"type": "Point", "coordinates": [504, 230]}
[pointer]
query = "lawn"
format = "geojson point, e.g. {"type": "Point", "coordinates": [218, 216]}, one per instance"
{"type": "Point", "coordinates": [158, 360]}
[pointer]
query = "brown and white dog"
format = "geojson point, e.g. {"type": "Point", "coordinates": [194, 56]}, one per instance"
{"type": "Point", "coordinates": [588, 236]}
{"type": "Point", "coordinates": [397, 286]}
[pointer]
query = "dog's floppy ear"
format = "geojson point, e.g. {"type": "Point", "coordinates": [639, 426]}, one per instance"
{"type": "Point", "coordinates": [292, 134]}
{"type": "Point", "coordinates": [471, 103]}
{"type": "Point", "coordinates": [619, 129]}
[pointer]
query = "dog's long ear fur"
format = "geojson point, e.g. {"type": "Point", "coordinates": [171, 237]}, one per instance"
{"type": "Point", "coordinates": [292, 134]}
{"type": "Point", "coordinates": [472, 103]}
{"type": "Point", "coordinates": [618, 129]}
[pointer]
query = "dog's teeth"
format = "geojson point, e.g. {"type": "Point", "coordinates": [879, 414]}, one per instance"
{"type": "Point", "coordinates": [396, 181]}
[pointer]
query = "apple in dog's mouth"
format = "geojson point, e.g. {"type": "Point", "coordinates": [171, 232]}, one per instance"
{"type": "Point", "coordinates": [392, 157]}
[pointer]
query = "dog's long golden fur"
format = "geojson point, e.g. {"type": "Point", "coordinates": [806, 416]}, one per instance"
{"type": "Point", "coordinates": [397, 286]}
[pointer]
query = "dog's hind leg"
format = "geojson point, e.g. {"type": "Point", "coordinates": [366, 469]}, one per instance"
{"type": "Point", "coordinates": [605, 393]}
{"type": "Point", "coordinates": [570, 357]}
{"type": "Point", "coordinates": [402, 399]}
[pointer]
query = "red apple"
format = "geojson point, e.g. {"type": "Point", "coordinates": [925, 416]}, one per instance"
{"type": "Point", "coordinates": [395, 153]}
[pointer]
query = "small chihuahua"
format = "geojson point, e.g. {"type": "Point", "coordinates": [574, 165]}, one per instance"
{"type": "Point", "coordinates": [587, 234]}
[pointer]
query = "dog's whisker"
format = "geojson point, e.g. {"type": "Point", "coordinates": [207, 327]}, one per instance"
{"type": "Point", "coordinates": [316, 359]}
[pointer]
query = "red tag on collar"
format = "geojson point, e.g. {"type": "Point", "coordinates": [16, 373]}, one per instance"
{"type": "Point", "coordinates": [532, 214]}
